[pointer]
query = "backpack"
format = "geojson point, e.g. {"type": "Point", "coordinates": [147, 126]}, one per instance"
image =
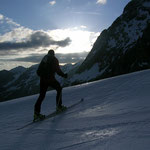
{"type": "Point", "coordinates": [45, 67]}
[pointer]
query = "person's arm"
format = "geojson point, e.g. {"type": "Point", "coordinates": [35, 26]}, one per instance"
{"type": "Point", "coordinates": [58, 70]}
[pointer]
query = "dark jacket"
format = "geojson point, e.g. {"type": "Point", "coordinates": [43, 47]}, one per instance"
{"type": "Point", "coordinates": [48, 67]}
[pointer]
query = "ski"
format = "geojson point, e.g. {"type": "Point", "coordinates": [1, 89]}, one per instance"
{"type": "Point", "coordinates": [53, 114]}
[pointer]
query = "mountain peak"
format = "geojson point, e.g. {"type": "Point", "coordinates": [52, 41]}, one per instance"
{"type": "Point", "coordinates": [117, 50]}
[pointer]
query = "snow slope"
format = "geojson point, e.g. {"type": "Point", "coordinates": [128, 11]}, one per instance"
{"type": "Point", "coordinates": [114, 116]}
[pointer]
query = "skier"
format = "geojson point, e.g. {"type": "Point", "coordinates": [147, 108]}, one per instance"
{"type": "Point", "coordinates": [46, 70]}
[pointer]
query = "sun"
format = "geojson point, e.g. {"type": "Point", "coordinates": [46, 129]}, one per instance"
{"type": "Point", "coordinates": [81, 40]}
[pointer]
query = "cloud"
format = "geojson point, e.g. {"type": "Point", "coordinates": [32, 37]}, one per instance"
{"type": "Point", "coordinates": [83, 27]}
{"type": "Point", "coordinates": [11, 22]}
{"type": "Point", "coordinates": [82, 39]}
{"type": "Point", "coordinates": [17, 35]}
{"type": "Point", "coordinates": [21, 41]}
{"type": "Point", "coordinates": [86, 13]}
{"type": "Point", "coordinates": [8, 20]}
{"type": "Point", "coordinates": [1, 17]}
{"type": "Point", "coordinates": [7, 24]}
{"type": "Point", "coordinates": [52, 3]}
{"type": "Point", "coordinates": [63, 58]}
{"type": "Point", "coordinates": [35, 40]}
{"type": "Point", "coordinates": [71, 57]}
{"type": "Point", "coordinates": [101, 1]}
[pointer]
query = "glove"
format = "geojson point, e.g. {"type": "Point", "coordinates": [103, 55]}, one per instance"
{"type": "Point", "coordinates": [65, 75]}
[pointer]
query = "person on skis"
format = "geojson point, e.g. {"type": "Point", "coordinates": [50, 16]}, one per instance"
{"type": "Point", "coordinates": [46, 71]}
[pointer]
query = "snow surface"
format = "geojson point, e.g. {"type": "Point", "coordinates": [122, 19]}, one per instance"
{"type": "Point", "coordinates": [115, 115]}
{"type": "Point", "coordinates": [93, 72]}
{"type": "Point", "coordinates": [128, 32]}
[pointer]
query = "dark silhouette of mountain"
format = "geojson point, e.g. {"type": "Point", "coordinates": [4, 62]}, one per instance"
{"type": "Point", "coordinates": [20, 81]}
{"type": "Point", "coordinates": [124, 46]}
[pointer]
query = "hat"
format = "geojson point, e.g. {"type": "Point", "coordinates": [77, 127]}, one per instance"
{"type": "Point", "coordinates": [51, 52]}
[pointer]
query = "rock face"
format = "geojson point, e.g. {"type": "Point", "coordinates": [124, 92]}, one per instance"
{"type": "Point", "coordinates": [125, 46]}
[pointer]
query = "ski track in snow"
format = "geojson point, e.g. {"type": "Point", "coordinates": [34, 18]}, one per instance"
{"type": "Point", "coordinates": [115, 115]}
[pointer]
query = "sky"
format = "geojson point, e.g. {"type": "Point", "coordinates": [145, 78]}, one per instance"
{"type": "Point", "coordinates": [29, 28]}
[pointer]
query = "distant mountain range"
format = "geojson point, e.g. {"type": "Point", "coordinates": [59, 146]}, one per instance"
{"type": "Point", "coordinates": [21, 81]}
{"type": "Point", "coordinates": [122, 48]}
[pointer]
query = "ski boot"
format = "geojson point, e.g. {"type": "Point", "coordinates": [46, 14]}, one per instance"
{"type": "Point", "coordinates": [38, 117]}
{"type": "Point", "coordinates": [61, 108]}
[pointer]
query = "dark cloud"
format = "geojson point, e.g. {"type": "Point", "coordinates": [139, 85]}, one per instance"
{"type": "Point", "coordinates": [72, 57]}
{"type": "Point", "coordinates": [37, 39]}
{"type": "Point", "coordinates": [31, 58]}
{"type": "Point", "coordinates": [63, 58]}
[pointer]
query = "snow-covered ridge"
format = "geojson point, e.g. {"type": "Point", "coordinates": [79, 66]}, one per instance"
{"type": "Point", "coordinates": [124, 46]}
{"type": "Point", "coordinates": [115, 115]}
{"type": "Point", "coordinates": [86, 75]}
{"type": "Point", "coordinates": [129, 31]}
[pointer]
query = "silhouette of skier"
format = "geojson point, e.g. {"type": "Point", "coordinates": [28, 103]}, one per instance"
{"type": "Point", "coordinates": [46, 70]}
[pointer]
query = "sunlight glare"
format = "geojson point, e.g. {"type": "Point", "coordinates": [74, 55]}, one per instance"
{"type": "Point", "coordinates": [81, 40]}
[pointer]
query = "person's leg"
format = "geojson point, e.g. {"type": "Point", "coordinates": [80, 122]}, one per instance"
{"type": "Point", "coordinates": [43, 89]}
{"type": "Point", "coordinates": [55, 84]}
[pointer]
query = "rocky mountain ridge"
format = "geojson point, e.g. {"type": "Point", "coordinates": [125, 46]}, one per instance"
{"type": "Point", "coordinates": [124, 46]}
